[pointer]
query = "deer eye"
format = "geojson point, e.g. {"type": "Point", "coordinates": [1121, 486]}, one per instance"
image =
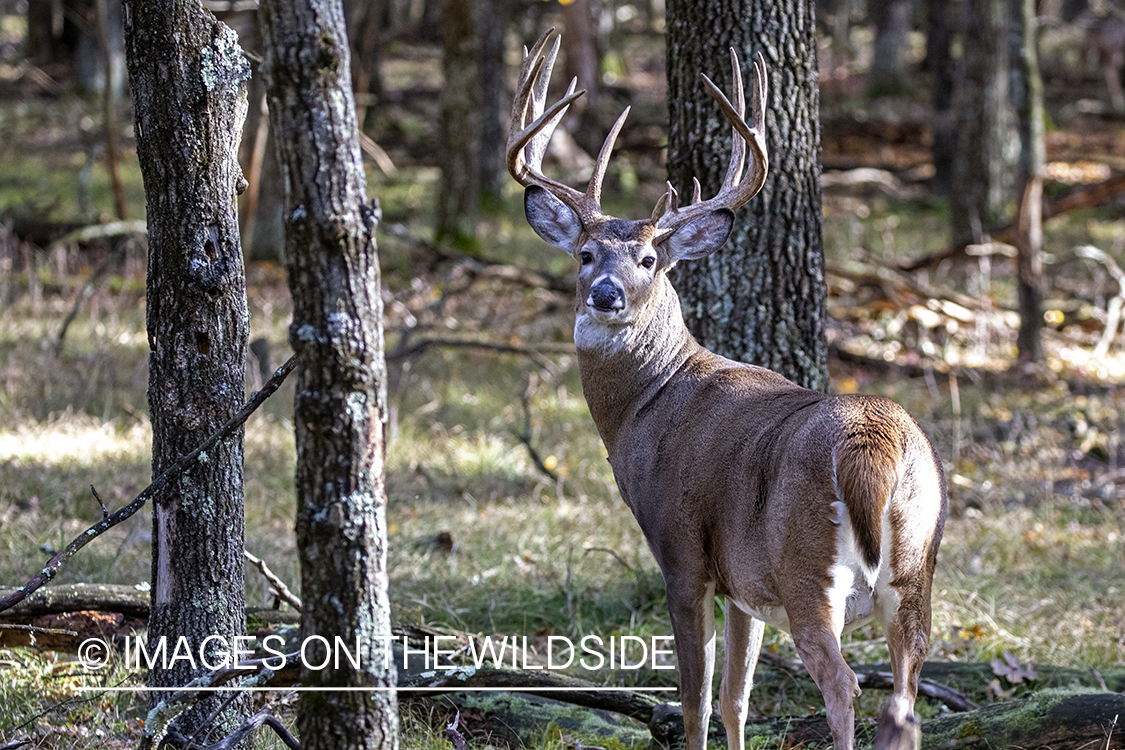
{"type": "Point", "coordinates": [648, 262]}
{"type": "Point", "coordinates": [585, 257]}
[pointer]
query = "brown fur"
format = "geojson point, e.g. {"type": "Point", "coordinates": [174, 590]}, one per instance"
{"type": "Point", "coordinates": [867, 470]}
{"type": "Point", "coordinates": [734, 473]}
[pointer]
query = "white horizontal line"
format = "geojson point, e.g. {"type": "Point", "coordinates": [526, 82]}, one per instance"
{"type": "Point", "coordinates": [450, 689]}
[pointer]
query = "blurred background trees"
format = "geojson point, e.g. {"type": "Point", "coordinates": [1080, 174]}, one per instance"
{"type": "Point", "coordinates": [431, 81]}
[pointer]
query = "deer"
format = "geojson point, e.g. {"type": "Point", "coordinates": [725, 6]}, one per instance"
{"type": "Point", "coordinates": [810, 512]}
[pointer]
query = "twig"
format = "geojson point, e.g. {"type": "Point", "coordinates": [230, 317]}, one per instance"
{"type": "Point", "coordinates": [105, 510]}
{"type": "Point", "coordinates": [613, 554]}
{"type": "Point", "coordinates": [232, 740]}
{"type": "Point", "coordinates": [525, 436]}
{"type": "Point", "coordinates": [535, 353]}
{"type": "Point", "coordinates": [51, 569]}
{"type": "Point", "coordinates": [160, 718]}
{"type": "Point", "coordinates": [1113, 311]}
{"type": "Point", "coordinates": [454, 736]}
{"type": "Point", "coordinates": [279, 586]}
{"type": "Point", "coordinates": [87, 290]}
{"type": "Point", "coordinates": [376, 153]}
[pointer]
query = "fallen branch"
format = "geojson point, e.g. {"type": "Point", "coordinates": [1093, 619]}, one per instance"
{"type": "Point", "coordinates": [51, 569]}
{"type": "Point", "coordinates": [1113, 311]}
{"type": "Point", "coordinates": [160, 717]}
{"type": "Point", "coordinates": [536, 353]}
{"type": "Point", "coordinates": [233, 740]}
{"type": "Point", "coordinates": [279, 586]}
{"type": "Point", "coordinates": [1089, 197]}
{"type": "Point", "coordinates": [559, 687]}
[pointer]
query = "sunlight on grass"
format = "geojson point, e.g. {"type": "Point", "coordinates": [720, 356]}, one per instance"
{"type": "Point", "coordinates": [74, 439]}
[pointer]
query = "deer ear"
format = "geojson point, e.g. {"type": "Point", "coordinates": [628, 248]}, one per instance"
{"type": "Point", "coordinates": [701, 237]}
{"type": "Point", "coordinates": [551, 218]}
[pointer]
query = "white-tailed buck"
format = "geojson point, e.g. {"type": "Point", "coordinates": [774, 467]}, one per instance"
{"type": "Point", "coordinates": [810, 512]}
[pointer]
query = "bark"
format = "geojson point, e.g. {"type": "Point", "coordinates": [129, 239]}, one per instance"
{"type": "Point", "coordinates": [188, 80]}
{"type": "Point", "coordinates": [987, 135]}
{"type": "Point", "coordinates": [762, 298]}
{"type": "Point", "coordinates": [340, 401]}
{"type": "Point", "coordinates": [460, 126]}
{"type": "Point", "coordinates": [1029, 237]}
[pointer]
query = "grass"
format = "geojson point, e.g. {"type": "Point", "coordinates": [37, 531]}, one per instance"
{"type": "Point", "coordinates": [1032, 557]}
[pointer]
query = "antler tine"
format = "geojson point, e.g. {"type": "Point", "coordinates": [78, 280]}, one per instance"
{"type": "Point", "coordinates": [532, 127]}
{"type": "Point", "coordinates": [518, 165]}
{"type": "Point", "coordinates": [594, 189]}
{"type": "Point", "coordinates": [738, 144]}
{"type": "Point", "coordinates": [667, 202]}
{"type": "Point", "coordinates": [543, 79]}
{"type": "Point", "coordinates": [736, 189]}
{"type": "Point", "coordinates": [696, 190]}
{"type": "Point", "coordinates": [527, 141]}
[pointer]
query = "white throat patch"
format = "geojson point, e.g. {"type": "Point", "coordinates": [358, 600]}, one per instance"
{"type": "Point", "coordinates": [607, 339]}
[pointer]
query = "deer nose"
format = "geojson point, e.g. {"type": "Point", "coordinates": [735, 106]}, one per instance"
{"type": "Point", "coordinates": [606, 294]}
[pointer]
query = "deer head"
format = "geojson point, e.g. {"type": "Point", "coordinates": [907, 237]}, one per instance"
{"type": "Point", "coordinates": [622, 263]}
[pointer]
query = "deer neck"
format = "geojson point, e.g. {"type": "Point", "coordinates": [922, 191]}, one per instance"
{"type": "Point", "coordinates": [624, 366]}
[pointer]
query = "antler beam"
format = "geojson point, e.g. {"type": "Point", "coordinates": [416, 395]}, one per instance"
{"type": "Point", "coordinates": [532, 127]}
{"type": "Point", "coordinates": [734, 192]}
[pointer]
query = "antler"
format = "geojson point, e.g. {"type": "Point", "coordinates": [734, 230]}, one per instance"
{"type": "Point", "coordinates": [734, 192]}
{"type": "Point", "coordinates": [532, 128]}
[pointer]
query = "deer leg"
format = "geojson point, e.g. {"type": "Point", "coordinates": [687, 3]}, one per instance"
{"type": "Point", "coordinates": [742, 640]}
{"type": "Point", "coordinates": [819, 648]}
{"type": "Point", "coordinates": [692, 608]}
{"type": "Point", "coordinates": [907, 628]}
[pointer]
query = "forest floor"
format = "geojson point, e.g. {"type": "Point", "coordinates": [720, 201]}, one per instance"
{"type": "Point", "coordinates": [486, 539]}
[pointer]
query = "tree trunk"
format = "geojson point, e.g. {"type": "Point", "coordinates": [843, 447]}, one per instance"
{"type": "Point", "coordinates": [889, 74]}
{"type": "Point", "coordinates": [340, 403]}
{"type": "Point", "coordinates": [267, 240]}
{"type": "Point", "coordinates": [1029, 237]}
{"type": "Point", "coordinates": [987, 135]}
{"type": "Point", "coordinates": [582, 61]}
{"type": "Point", "coordinates": [188, 79]}
{"type": "Point", "coordinates": [458, 199]}
{"type": "Point", "coordinates": [493, 138]}
{"type": "Point", "coordinates": [762, 299]}
{"type": "Point", "coordinates": [939, 61]}
{"type": "Point", "coordinates": [40, 31]}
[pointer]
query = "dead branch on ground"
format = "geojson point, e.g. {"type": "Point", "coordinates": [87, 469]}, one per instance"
{"type": "Point", "coordinates": [1088, 197]}
{"type": "Point", "coordinates": [250, 673]}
